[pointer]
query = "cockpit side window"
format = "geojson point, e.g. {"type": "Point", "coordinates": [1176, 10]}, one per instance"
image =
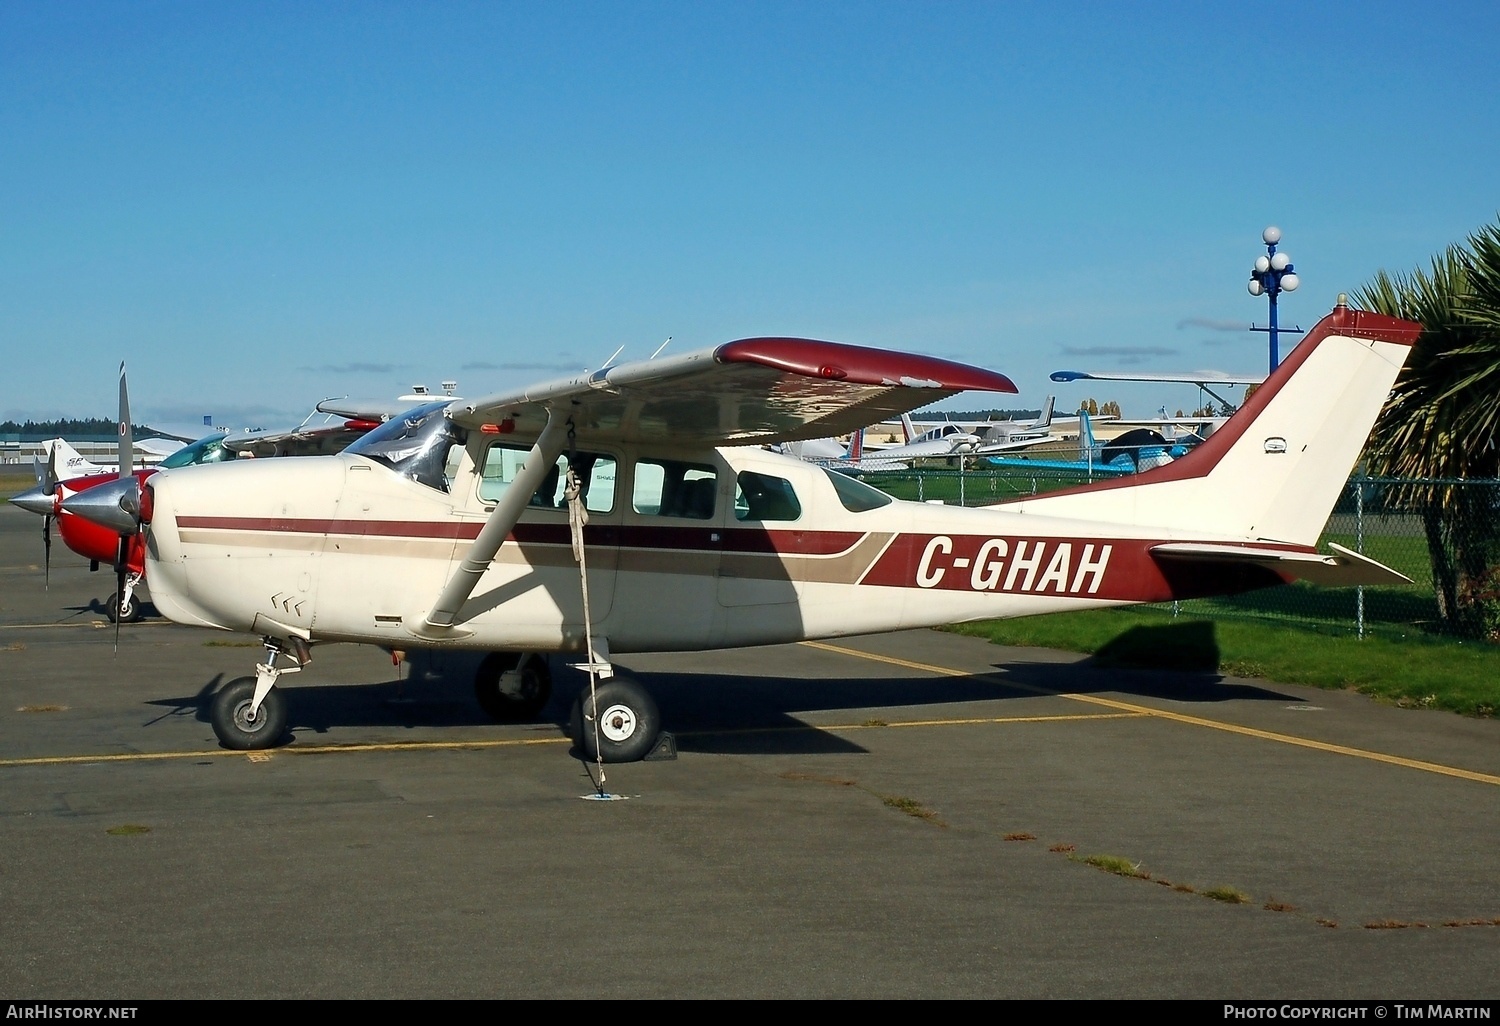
{"type": "Point", "coordinates": [416, 444]}
{"type": "Point", "coordinates": [763, 497]}
{"type": "Point", "coordinates": [596, 476]}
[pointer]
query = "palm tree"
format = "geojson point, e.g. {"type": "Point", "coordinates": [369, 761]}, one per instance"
{"type": "Point", "coordinates": [1442, 423]}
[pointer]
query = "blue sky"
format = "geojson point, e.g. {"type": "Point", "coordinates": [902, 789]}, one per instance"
{"type": "Point", "coordinates": [259, 205]}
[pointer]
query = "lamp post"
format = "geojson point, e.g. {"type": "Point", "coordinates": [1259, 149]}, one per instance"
{"type": "Point", "coordinates": [1273, 274]}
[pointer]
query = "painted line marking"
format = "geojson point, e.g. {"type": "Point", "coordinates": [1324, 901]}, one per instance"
{"type": "Point", "coordinates": [97, 624]}
{"type": "Point", "coordinates": [265, 755]}
{"type": "Point", "coordinates": [1196, 721]}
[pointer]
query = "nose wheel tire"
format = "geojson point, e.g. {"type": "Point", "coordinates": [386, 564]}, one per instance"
{"type": "Point", "coordinates": [515, 699]}
{"type": "Point", "coordinates": [235, 728]}
{"type": "Point", "coordinates": [619, 723]}
{"type": "Point", "coordinates": [132, 611]}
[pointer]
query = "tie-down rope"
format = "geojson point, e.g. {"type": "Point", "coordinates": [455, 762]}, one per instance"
{"type": "Point", "coordinates": [578, 518]}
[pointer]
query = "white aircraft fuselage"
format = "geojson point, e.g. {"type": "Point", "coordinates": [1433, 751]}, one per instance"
{"type": "Point", "coordinates": [342, 548]}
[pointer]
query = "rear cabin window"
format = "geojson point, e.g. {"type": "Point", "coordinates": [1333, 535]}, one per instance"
{"type": "Point", "coordinates": [763, 497]}
{"type": "Point", "coordinates": [671, 488]}
{"type": "Point", "coordinates": [596, 472]}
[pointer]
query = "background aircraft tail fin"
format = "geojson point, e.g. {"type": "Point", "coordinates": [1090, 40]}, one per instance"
{"type": "Point", "coordinates": [68, 461]}
{"type": "Point", "coordinates": [1045, 420]}
{"type": "Point", "coordinates": [908, 429]}
{"type": "Point", "coordinates": [1085, 434]}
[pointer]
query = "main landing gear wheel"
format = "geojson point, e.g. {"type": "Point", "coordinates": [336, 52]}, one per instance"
{"type": "Point", "coordinates": [626, 726]}
{"type": "Point", "coordinates": [233, 724]}
{"type": "Point", "coordinates": [516, 698]}
{"type": "Point", "coordinates": [132, 609]}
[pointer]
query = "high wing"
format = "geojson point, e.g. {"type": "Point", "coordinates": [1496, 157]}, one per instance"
{"type": "Point", "coordinates": [333, 426]}
{"type": "Point", "coordinates": [1201, 380]}
{"type": "Point", "coordinates": [752, 391]}
{"type": "Point", "coordinates": [379, 410]}
{"type": "Point", "coordinates": [159, 446]}
{"type": "Point", "coordinates": [1345, 568]}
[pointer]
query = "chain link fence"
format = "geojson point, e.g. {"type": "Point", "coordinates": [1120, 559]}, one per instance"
{"type": "Point", "coordinates": [1443, 534]}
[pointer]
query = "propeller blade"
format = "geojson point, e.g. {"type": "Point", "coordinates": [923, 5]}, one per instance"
{"type": "Point", "coordinates": [127, 445]}
{"type": "Point", "coordinates": [47, 552]}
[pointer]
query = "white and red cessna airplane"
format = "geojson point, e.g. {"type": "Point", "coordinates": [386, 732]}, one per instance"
{"type": "Point", "coordinates": [453, 526]}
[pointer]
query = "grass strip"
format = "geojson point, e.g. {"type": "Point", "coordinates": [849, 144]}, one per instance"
{"type": "Point", "coordinates": [1435, 673]}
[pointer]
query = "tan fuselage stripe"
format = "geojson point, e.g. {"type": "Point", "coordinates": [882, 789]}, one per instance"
{"type": "Point", "coordinates": [836, 568]}
{"type": "Point", "coordinates": [1196, 721]}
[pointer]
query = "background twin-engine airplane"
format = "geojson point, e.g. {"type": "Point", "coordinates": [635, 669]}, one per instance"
{"type": "Point", "coordinates": [636, 509]}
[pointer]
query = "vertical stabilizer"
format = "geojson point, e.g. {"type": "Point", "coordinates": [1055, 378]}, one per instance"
{"type": "Point", "coordinates": [1273, 471]}
{"type": "Point", "coordinates": [1045, 420]}
{"type": "Point", "coordinates": [68, 461]}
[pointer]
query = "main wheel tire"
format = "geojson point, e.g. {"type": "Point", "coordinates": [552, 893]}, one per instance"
{"type": "Point", "coordinates": [132, 609]}
{"type": "Point", "coordinates": [231, 720]}
{"type": "Point", "coordinates": [619, 723]}
{"type": "Point", "coordinates": [513, 707]}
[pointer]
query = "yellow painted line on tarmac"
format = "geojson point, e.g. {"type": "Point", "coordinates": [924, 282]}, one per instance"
{"type": "Point", "coordinates": [1196, 721]}
{"type": "Point", "coordinates": [97, 624]}
{"type": "Point", "coordinates": [263, 755]}
{"type": "Point", "coordinates": [829, 728]}
{"type": "Point", "coordinates": [411, 746]}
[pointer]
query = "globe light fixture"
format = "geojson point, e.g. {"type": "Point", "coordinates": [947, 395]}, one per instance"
{"type": "Point", "coordinates": [1272, 275]}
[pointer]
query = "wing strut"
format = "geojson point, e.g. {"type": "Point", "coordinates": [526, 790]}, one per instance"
{"type": "Point", "coordinates": [543, 456]}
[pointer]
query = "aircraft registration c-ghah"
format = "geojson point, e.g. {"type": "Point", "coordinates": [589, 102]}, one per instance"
{"type": "Point", "coordinates": [635, 509]}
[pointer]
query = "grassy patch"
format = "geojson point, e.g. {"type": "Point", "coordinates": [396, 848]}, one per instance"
{"type": "Point", "coordinates": [1113, 864]}
{"type": "Point", "coordinates": [1020, 837]}
{"type": "Point", "coordinates": [128, 830]}
{"type": "Point", "coordinates": [1417, 671]}
{"type": "Point", "coordinates": [231, 644]}
{"type": "Point", "coordinates": [15, 484]}
{"type": "Point", "coordinates": [835, 781]}
{"type": "Point", "coordinates": [1228, 895]}
{"type": "Point", "coordinates": [14, 646]}
{"type": "Point", "coordinates": [42, 708]}
{"type": "Point", "coordinates": [1064, 849]}
{"type": "Point", "coordinates": [912, 808]}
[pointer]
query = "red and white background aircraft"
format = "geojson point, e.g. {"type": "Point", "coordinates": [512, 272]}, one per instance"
{"type": "Point", "coordinates": [332, 426]}
{"type": "Point", "coordinates": [635, 509]}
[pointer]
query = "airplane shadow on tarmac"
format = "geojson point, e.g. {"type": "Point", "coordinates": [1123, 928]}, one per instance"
{"type": "Point", "coordinates": [742, 713]}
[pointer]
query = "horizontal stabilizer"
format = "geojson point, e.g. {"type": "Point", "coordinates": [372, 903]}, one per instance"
{"type": "Point", "coordinates": [1345, 568]}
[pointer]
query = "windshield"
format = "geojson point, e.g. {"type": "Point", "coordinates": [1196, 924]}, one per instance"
{"type": "Point", "coordinates": [204, 450]}
{"type": "Point", "coordinates": [856, 496]}
{"type": "Point", "coordinates": [415, 444]}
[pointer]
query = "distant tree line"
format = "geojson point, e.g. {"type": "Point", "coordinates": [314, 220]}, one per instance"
{"type": "Point", "coordinates": [70, 428]}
